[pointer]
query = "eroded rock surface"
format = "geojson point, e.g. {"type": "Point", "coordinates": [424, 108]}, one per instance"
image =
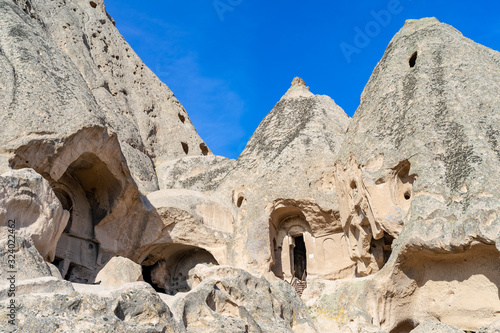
{"type": "Point", "coordinates": [392, 217]}
{"type": "Point", "coordinates": [228, 299]}
{"type": "Point", "coordinates": [417, 165]}
{"type": "Point", "coordinates": [67, 61]}
{"type": "Point", "coordinates": [29, 206]}
{"type": "Point", "coordinates": [134, 307]}
{"type": "Point", "coordinates": [119, 271]}
{"type": "Point", "coordinates": [194, 173]}
{"type": "Point", "coordinates": [283, 186]}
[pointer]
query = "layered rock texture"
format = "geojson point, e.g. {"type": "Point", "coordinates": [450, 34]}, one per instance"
{"type": "Point", "coordinates": [115, 216]}
{"type": "Point", "coordinates": [65, 67]}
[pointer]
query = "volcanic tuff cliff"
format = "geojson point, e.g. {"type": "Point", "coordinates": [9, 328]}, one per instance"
{"type": "Point", "coordinates": [65, 67]}
{"type": "Point", "coordinates": [392, 217]}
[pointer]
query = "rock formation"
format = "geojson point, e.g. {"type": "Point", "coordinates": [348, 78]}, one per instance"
{"type": "Point", "coordinates": [414, 178]}
{"type": "Point", "coordinates": [390, 219]}
{"type": "Point", "coordinates": [28, 203]}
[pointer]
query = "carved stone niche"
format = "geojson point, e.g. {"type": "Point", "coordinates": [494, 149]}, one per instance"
{"type": "Point", "coordinates": [301, 251]}
{"type": "Point", "coordinates": [373, 211]}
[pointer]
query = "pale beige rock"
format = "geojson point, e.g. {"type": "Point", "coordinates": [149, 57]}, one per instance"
{"type": "Point", "coordinates": [73, 67]}
{"type": "Point", "coordinates": [21, 258]}
{"type": "Point", "coordinates": [197, 173]}
{"type": "Point", "coordinates": [133, 307]}
{"type": "Point", "coordinates": [119, 271]}
{"type": "Point", "coordinates": [30, 206]}
{"type": "Point", "coordinates": [283, 190]}
{"type": "Point", "coordinates": [39, 285]}
{"type": "Point", "coordinates": [185, 228]}
{"type": "Point", "coordinates": [491, 328]}
{"type": "Point", "coordinates": [417, 164]}
{"type": "Point", "coordinates": [232, 300]}
{"type": "Point", "coordinates": [435, 327]}
{"type": "Point", "coordinates": [392, 217]}
{"type": "Point", "coordinates": [90, 177]}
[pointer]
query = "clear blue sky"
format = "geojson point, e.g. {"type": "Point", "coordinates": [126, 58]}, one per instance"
{"type": "Point", "coordinates": [230, 61]}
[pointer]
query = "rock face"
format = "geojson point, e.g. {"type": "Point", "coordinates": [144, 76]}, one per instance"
{"type": "Point", "coordinates": [417, 166]}
{"type": "Point", "coordinates": [195, 173]}
{"type": "Point", "coordinates": [29, 206]}
{"type": "Point", "coordinates": [230, 300]}
{"type": "Point", "coordinates": [67, 61]}
{"type": "Point", "coordinates": [134, 307]}
{"type": "Point", "coordinates": [28, 263]}
{"type": "Point", "coordinates": [283, 186]}
{"type": "Point", "coordinates": [391, 218]}
{"type": "Point", "coordinates": [119, 271]}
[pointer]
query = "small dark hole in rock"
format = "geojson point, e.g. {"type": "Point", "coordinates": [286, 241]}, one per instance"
{"type": "Point", "coordinates": [239, 202]}
{"type": "Point", "coordinates": [181, 117]}
{"type": "Point", "coordinates": [204, 148]}
{"type": "Point", "coordinates": [413, 59]}
{"type": "Point", "coordinates": [407, 195]}
{"type": "Point", "coordinates": [93, 4]}
{"type": "Point", "coordinates": [185, 147]}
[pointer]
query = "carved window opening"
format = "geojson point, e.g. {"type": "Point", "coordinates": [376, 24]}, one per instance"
{"type": "Point", "coordinates": [407, 195]}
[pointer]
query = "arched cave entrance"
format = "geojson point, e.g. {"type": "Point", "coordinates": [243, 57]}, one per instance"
{"type": "Point", "coordinates": [88, 190]}
{"type": "Point", "coordinates": [290, 248]}
{"type": "Point", "coordinates": [302, 250]}
{"type": "Point", "coordinates": [167, 267]}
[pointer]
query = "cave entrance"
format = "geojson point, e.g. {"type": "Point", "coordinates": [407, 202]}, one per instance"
{"type": "Point", "coordinates": [167, 269]}
{"type": "Point", "coordinates": [89, 191]}
{"type": "Point", "coordinates": [299, 258]}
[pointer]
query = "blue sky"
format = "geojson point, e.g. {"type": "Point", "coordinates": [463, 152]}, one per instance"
{"type": "Point", "coordinates": [230, 61]}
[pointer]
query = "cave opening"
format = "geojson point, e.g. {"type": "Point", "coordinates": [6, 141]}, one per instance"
{"type": "Point", "coordinates": [89, 191]}
{"type": "Point", "coordinates": [167, 269]}
{"type": "Point", "coordinates": [299, 258]}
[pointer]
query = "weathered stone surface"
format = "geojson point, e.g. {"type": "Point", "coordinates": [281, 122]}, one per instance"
{"type": "Point", "coordinates": [23, 258]}
{"type": "Point", "coordinates": [184, 228]}
{"type": "Point", "coordinates": [283, 186]}
{"type": "Point", "coordinates": [67, 61]}
{"type": "Point", "coordinates": [194, 173]}
{"type": "Point", "coordinates": [226, 299]}
{"type": "Point", "coordinates": [492, 328]}
{"type": "Point", "coordinates": [29, 205]}
{"type": "Point", "coordinates": [119, 271]}
{"type": "Point", "coordinates": [417, 165]}
{"type": "Point", "coordinates": [431, 129]}
{"type": "Point", "coordinates": [39, 285]}
{"type": "Point", "coordinates": [134, 307]}
{"type": "Point", "coordinates": [398, 206]}
{"type": "Point", "coordinates": [437, 327]}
